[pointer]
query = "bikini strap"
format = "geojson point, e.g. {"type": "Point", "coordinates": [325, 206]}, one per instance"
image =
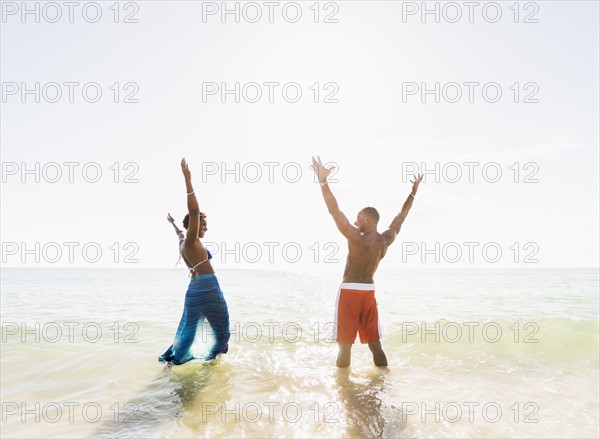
{"type": "Point", "coordinates": [192, 269]}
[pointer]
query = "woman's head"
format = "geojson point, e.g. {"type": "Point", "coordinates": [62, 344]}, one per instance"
{"type": "Point", "coordinates": [202, 229]}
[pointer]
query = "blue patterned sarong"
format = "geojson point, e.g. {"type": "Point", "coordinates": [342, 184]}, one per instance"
{"type": "Point", "coordinates": [203, 299]}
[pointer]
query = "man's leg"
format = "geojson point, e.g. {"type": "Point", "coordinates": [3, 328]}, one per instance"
{"type": "Point", "coordinates": [378, 355]}
{"type": "Point", "coordinates": [346, 319]}
{"type": "Point", "coordinates": [343, 359]}
{"type": "Point", "coordinates": [368, 329]}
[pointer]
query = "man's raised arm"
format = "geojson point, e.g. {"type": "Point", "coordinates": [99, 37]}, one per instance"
{"type": "Point", "coordinates": [394, 229]}
{"type": "Point", "coordinates": [340, 219]}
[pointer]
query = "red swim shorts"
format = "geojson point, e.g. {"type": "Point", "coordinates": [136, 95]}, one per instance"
{"type": "Point", "coordinates": [356, 310]}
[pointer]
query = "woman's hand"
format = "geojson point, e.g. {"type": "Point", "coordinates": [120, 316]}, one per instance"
{"type": "Point", "coordinates": [185, 169]}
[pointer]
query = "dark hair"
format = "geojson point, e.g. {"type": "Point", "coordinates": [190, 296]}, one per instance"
{"type": "Point", "coordinates": [186, 219]}
{"type": "Point", "coordinates": [372, 213]}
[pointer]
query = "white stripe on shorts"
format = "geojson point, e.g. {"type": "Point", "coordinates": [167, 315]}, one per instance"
{"type": "Point", "coordinates": [357, 286]}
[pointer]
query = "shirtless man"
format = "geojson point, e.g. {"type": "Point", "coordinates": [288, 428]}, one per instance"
{"type": "Point", "coordinates": [356, 308]}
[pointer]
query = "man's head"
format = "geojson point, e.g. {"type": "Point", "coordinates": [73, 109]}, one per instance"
{"type": "Point", "coordinates": [203, 228]}
{"type": "Point", "coordinates": [367, 219]}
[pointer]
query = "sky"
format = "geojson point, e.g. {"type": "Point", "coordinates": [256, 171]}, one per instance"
{"type": "Point", "coordinates": [498, 103]}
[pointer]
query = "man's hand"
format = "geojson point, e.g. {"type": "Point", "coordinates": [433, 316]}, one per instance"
{"type": "Point", "coordinates": [321, 171]}
{"type": "Point", "coordinates": [185, 169]}
{"type": "Point", "coordinates": [170, 218]}
{"type": "Point", "coordinates": [394, 228]}
{"type": "Point", "coordinates": [416, 182]}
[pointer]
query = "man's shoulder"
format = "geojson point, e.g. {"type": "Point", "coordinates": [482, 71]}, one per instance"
{"type": "Point", "coordinates": [375, 239]}
{"type": "Point", "coordinates": [381, 238]}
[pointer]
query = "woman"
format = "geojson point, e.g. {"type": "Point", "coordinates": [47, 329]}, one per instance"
{"type": "Point", "coordinates": [203, 298]}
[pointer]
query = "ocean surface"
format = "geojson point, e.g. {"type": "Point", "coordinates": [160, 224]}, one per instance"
{"type": "Point", "coordinates": [472, 353]}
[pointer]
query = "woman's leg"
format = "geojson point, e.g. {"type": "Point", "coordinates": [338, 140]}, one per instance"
{"type": "Point", "coordinates": [186, 331]}
{"type": "Point", "coordinates": [217, 315]}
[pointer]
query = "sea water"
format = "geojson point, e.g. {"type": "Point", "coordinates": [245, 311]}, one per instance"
{"type": "Point", "coordinates": [472, 353]}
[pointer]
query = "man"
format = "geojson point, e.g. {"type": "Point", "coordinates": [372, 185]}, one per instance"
{"type": "Point", "coordinates": [356, 308]}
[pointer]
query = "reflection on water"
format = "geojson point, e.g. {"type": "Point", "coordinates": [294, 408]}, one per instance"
{"type": "Point", "coordinates": [196, 381]}
{"type": "Point", "coordinates": [200, 391]}
{"type": "Point", "coordinates": [363, 401]}
{"type": "Point", "coordinates": [173, 400]}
